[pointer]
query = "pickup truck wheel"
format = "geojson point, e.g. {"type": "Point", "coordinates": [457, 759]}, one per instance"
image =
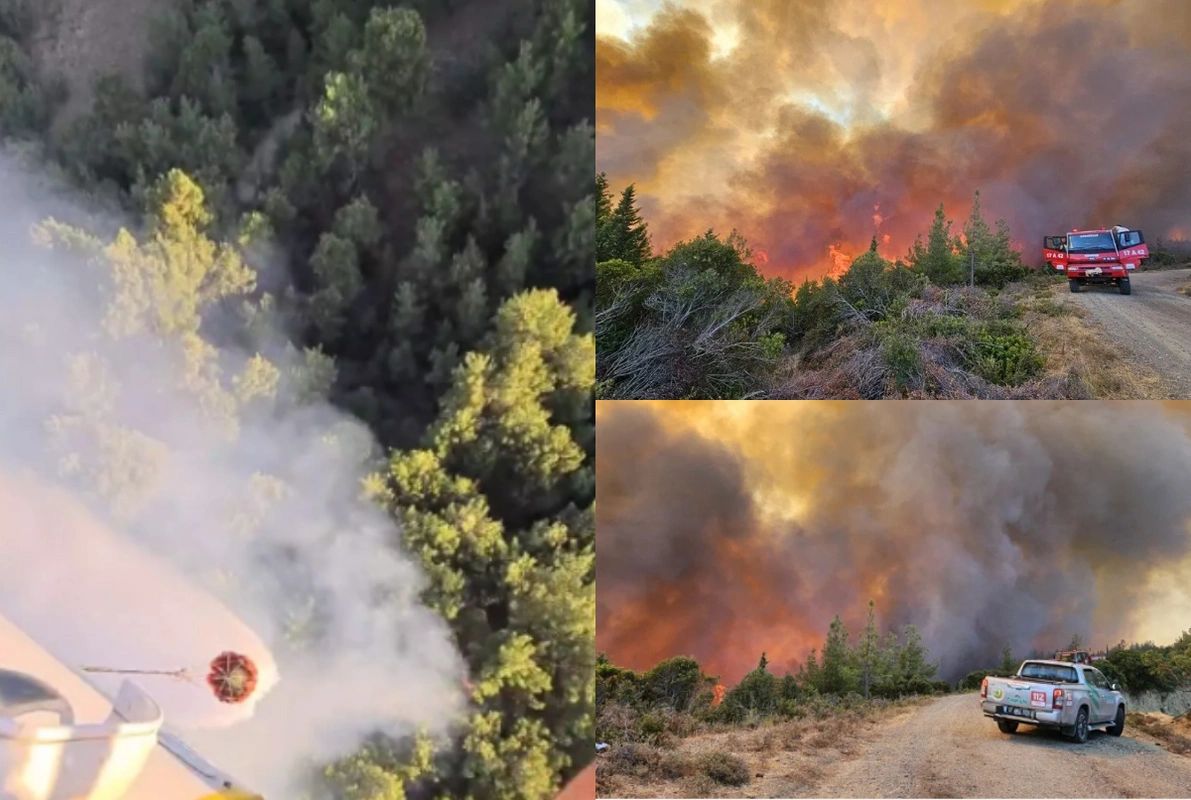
{"type": "Point", "coordinates": [1079, 734]}
{"type": "Point", "coordinates": [1118, 727]}
{"type": "Point", "coordinates": [1007, 726]}
{"type": "Point", "coordinates": [1123, 285]}
{"type": "Point", "coordinates": [1073, 284]}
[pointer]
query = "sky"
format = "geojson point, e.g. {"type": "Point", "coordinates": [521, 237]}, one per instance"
{"type": "Point", "coordinates": [813, 126]}
{"type": "Point", "coordinates": [728, 529]}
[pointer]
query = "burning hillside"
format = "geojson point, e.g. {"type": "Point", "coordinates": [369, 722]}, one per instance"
{"type": "Point", "coordinates": [728, 529]}
{"type": "Point", "coordinates": [813, 126]}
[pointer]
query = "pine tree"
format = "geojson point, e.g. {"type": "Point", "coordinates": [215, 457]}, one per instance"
{"type": "Point", "coordinates": [810, 673]}
{"type": "Point", "coordinates": [627, 235]}
{"type": "Point", "coordinates": [869, 649]}
{"type": "Point", "coordinates": [939, 262]}
{"type": "Point", "coordinates": [977, 235]}
{"type": "Point", "coordinates": [1007, 666]}
{"type": "Point", "coordinates": [603, 199]}
{"type": "Point", "coordinates": [912, 655]}
{"type": "Point", "coordinates": [916, 255]}
{"type": "Point", "coordinates": [837, 673]}
{"type": "Point", "coordinates": [262, 78]}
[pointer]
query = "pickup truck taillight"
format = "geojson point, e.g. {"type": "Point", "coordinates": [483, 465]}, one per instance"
{"type": "Point", "coordinates": [1058, 699]}
{"type": "Point", "coordinates": [984, 688]}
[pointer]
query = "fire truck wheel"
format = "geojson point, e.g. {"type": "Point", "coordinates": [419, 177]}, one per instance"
{"type": "Point", "coordinates": [1007, 726]}
{"type": "Point", "coordinates": [1074, 284]}
{"type": "Point", "coordinates": [1123, 285]}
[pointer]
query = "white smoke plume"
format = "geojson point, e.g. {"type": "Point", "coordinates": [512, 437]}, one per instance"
{"type": "Point", "coordinates": [266, 519]}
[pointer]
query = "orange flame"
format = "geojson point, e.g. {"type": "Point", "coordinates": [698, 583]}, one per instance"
{"type": "Point", "coordinates": [840, 260]}
{"type": "Point", "coordinates": [719, 694]}
{"type": "Point", "coordinates": [877, 218]}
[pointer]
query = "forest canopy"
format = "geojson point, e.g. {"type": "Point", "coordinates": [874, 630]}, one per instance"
{"type": "Point", "coordinates": [405, 190]}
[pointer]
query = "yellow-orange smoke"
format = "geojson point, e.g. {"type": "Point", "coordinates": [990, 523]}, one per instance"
{"type": "Point", "coordinates": [821, 122]}
{"type": "Point", "coordinates": [730, 529]}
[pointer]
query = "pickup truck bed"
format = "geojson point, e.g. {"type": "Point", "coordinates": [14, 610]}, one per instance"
{"type": "Point", "coordinates": [1072, 698]}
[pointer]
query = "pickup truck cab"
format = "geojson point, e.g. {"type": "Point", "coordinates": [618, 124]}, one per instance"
{"type": "Point", "coordinates": [1070, 697]}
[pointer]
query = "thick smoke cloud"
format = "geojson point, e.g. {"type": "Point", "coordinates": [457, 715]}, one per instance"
{"type": "Point", "coordinates": [112, 460]}
{"type": "Point", "coordinates": [732, 528]}
{"type": "Point", "coordinates": [812, 124]}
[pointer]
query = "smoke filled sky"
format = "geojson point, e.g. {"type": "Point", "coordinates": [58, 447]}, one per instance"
{"type": "Point", "coordinates": [822, 123]}
{"type": "Point", "coordinates": [730, 528]}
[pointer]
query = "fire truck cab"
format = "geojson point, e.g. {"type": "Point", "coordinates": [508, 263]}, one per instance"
{"type": "Point", "coordinates": [1096, 256]}
{"type": "Point", "coordinates": [1077, 656]}
{"type": "Point", "coordinates": [1074, 656]}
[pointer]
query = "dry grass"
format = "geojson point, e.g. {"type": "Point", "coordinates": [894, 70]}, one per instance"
{"type": "Point", "coordinates": [1173, 735]}
{"type": "Point", "coordinates": [1076, 351]}
{"type": "Point", "coordinates": [774, 759]}
{"type": "Point", "coordinates": [1179, 263]}
{"type": "Point", "coordinates": [1185, 289]}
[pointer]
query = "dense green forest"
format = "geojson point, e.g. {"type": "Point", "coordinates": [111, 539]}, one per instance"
{"type": "Point", "coordinates": [701, 322]}
{"type": "Point", "coordinates": [407, 190]}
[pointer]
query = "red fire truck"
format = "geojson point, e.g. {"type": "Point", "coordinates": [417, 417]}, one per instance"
{"type": "Point", "coordinates": [1096, 256]}
{"type": "Point", "coordinates": [1074, 656]}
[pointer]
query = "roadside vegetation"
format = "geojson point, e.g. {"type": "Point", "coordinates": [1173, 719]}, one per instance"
{"type": "Point", "coordinates": [407, 192]}
{"type": "Point", "coordinates": [1172, 734]}
{"type": "Point", "coordinates": [701, 322]}
{"type": "Point", "coordinates": [676, 725]}
{"type": "Point", "coordinates": [1137, 667]}
{"type": "Point", "coordinates": [1168, 254]}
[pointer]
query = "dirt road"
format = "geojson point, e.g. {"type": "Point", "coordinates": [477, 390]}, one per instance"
{"type": "Point", "coordinates": [1153, 324]}
{"type": "Point", "coordinates": [949, 749]}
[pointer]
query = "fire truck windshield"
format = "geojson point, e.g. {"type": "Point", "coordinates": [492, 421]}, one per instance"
{"type": "Point", "coordinates": [1090, 243]}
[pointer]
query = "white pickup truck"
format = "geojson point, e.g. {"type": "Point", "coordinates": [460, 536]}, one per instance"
{"type": "Point", "coordinates": [1073, 698]}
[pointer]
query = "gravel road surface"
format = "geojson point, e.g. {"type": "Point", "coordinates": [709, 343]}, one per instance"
{"type": "Point", "coordinates": [949, 749]}
{"type": "Point", "coordinates": [1153, 323]}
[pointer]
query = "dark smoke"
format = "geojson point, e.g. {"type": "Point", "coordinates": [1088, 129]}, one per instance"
{"type": "Point", "coordinates": [981, 524]}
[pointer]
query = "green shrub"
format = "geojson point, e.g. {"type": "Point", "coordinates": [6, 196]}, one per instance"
{"type": "Point", "coordinates": [943, 325]}
{"type": "Point", "coordinates": [673, 683]}
{"type": "Point", "coordinates": [1110, 671]}
{"type": "Point", "coordinates": [1005, 359]}
{"type": "Point", "coordinates": [651, 727]}
{"type": "Point", "coordinates": [899, 351]}
{"type": "Point", "coordinates": [894, 688]}
{"type": "Point", "coordinates": [1001, 273]}
{"type": "Point", "coordinates": [973, 679]}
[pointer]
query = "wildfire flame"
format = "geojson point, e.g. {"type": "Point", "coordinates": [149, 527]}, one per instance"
{"type": "Point", "coordinates": [927, 125]}
{"type": "Point", "coordinates": [840, 261]}
{"type": "Point", "coordinates": [719, 694]}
